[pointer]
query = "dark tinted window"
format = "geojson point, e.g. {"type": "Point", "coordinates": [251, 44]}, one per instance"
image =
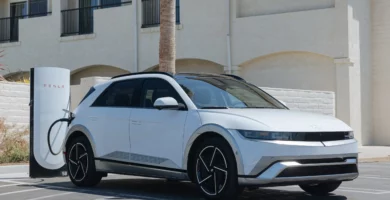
{"type": "Point", "coordinates": [120, 94]}
{"type": "Point", "coordinates": [157, 88]}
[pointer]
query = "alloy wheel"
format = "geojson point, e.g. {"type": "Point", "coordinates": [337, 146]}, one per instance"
{"type": "Point", "coordinates": [211, 170]}
{"type": "Point", "coordinates": [78, 162]}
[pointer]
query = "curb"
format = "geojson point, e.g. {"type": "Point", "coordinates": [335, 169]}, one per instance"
{"type": "Point", "coordinates": [373, 160]}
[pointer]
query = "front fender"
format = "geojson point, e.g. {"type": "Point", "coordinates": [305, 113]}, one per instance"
{"type": "Point", "coordinates": [225, 133]}
{"type": "Point", "coordinates": [85, 131]}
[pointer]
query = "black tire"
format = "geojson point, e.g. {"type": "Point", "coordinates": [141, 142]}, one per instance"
{"type": "Point", "coordinates": [81, 164]}
{"type": "Point", "coordinates": [322, 189]}
{"type": "Point", "coordinates": [218, 178]}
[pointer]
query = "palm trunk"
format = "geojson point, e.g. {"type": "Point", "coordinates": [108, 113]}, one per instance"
{"type": "Point", "coordinates": [167, 52]}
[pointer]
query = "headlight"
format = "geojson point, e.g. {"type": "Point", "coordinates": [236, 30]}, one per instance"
{"type": "Point", "coordinates": [349, 135]}
{"type": "Point", "coordinates": [264, 135]}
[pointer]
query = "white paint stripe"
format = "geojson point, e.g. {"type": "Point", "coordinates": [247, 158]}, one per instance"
{"type": "Point", "coordinates": [364, 189]}
{"type": "Point", "coordinates": [13, 166]}
{"type": "Point", "coordinates": [14, 175]}
{"type": "Point", "coordinates": [54, 195]}
{"type": "Point", "coordinates": [378, 178]}
{"type": "Point", "coordinates": [357, 191]}
{"type": "Point", "coordinates": [10, 185]}
{"type": "Point", "coordinates": [93, 192]}
{"type": "Point", "coordinates": [20, 191]}
{"type": "Point", "coordinates": [352, 190]}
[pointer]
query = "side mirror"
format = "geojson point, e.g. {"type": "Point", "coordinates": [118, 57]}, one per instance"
{"type": "Point", "coordinates": [167, 103]}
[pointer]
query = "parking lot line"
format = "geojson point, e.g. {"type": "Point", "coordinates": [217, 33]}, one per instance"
{"type": "Point", "coordinates": [50, 196]}
{"type": "Point", "coordinates": [20, 191]}
{"type": "Point", "coordinates": [104, 193]}
{"type": "Point", "coordinates": [10, 185]}
{"type": "Point", "coordinates": [374, 177]}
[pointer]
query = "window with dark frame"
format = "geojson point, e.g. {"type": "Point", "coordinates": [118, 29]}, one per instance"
{"type": "Point", "coordinates": [157, 88]}
{"type": "Point", "coordinates": [38, 8]}
{"type": "Point", "coordinates": [120, 94]}
{"type": "Point", "coordinates": [151, 13]}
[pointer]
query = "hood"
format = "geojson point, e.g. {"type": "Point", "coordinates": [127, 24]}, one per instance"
{"type": "Point", "coordinates": [281, 120]}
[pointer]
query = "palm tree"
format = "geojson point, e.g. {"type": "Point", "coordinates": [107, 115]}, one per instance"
{"type": "Point", "coordinates": [167, 52]}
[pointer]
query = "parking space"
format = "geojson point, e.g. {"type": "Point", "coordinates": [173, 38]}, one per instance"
{"type": "Point", "coordinates": [373, 183]}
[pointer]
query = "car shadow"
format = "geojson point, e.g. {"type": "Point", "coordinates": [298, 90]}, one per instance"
{"type": "Point", "coordinates": [161, 189]}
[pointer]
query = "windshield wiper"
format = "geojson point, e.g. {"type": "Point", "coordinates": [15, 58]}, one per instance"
{"type": "Point", "coordinates": [214, 107]}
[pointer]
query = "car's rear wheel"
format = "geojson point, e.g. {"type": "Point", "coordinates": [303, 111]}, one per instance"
{"type": "Point", "coordinates": [321, 189]}
{"type": "Point", "coordinates": [215, 170]}
{"type": "Point", "coordinates": [81, 165]}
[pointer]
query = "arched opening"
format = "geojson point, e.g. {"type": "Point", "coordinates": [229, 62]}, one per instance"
{"type": "Point", "coordinates": [194, 66]}
{"type": "Point", "coordinates": [294, 70]}
{"type": "Point", "coordinates": [95, 70]}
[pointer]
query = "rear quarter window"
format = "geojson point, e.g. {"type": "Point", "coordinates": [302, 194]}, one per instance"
{"type": "Point", "coordinates": [91, 90]}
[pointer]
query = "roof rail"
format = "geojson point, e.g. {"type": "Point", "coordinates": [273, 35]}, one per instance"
{"type": "Point", "coordinates": [139, 73]}
{"type": "Point", "coordinates": [234, 76]}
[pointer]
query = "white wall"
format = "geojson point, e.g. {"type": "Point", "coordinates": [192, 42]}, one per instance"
{"type": "Point", "coordinates": [91, 71]}
{"type": "Point", "coordinates": [247, 8]}
{"type": "Point", "coordinates": [322, 31]}
{"type": "Point", "coordinates": [381, 70]}
{"type": "Point", "coordinates": [14, 100]}
{"type": "Point", "coordinates": [321, 102]}
{"type": "Point", "coordinates": [295, 70]}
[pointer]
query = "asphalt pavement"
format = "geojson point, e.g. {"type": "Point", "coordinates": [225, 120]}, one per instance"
{"type": "Point", "coordinates": [373, 183]}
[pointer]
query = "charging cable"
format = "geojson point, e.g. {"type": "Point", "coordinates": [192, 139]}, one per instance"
{"type": "Point", "coordinates": [68, 120]}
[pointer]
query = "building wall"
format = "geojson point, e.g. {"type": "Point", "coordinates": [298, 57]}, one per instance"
{"type": "Point", "coordinates": [322, 102]}
{"type": "Point", "coordinates": [295, 70]}
{"type": "Point", "coordinates": [99, 70]}
{"type": "Point", "coordinates": [247, 8]}
{"type": "Point", "coordinates": [380, 71]}
{"type": "Point", "coordinates": [202, 37]}
{"type": "Point", "coordinates": [14, 100]}
{"type": "Point", "coordinates": [195, 65]}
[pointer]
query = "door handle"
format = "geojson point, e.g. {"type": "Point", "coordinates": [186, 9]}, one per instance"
{"type": "Point", "coordinates": [93, 118]}
{"type": "Point", "coordinates": [135, 122]}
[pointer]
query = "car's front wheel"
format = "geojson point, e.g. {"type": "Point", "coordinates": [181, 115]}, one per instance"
{"type": "Point", "coordinates": [321, 189]}
{"type": "Point", "coordinates": [215, 170]}
{"type": "Point", "coordinates": [81, 165]}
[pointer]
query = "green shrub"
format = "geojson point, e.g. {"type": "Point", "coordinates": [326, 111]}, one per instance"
{"type": "Point", "coordinates": [14, 148]}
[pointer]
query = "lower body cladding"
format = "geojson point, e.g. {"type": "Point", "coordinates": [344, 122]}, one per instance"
{"type": "Point", "coordinates": [119, 167]}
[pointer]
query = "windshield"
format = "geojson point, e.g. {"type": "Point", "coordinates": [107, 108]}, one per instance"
{"type": "Point", "coordinates": [214, 92]}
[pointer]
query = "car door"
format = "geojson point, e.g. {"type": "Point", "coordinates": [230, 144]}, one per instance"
{"type": "Point", "coordinates": [156, 135]}
{"type": "Point", "coordinates": [110, 118]}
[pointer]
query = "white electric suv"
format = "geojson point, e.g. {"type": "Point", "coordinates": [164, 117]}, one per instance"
{"type": "Point", "coordinates": [218, 131]}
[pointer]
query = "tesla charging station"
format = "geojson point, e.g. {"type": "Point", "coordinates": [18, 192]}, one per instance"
{"type": "Point", "coordinates": [49, 101]}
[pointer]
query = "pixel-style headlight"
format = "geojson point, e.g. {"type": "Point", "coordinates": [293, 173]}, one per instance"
{"type": "Point", "coordinates": [265, 135]}
{"type": "Point", "coordinates": [349, 135]}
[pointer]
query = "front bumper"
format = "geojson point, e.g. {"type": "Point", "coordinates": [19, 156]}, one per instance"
{"type": "Point", "coordinates": [304, 171]}
{"type": "Point", "coordinates": [291, 163]}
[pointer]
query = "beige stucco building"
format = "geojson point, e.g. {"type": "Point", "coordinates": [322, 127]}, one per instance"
{"type": "Point", "coordinates": [323, 45]}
